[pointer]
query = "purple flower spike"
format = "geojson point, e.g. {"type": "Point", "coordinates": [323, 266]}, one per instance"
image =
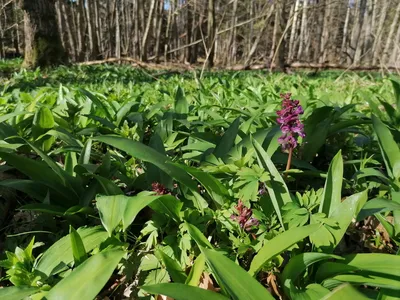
{"type": "Point", "coordinates": [288, 118]}
{"type": "Point", "coordinates": [244, 217]}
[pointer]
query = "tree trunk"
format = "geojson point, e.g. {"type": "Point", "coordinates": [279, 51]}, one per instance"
{"type": "Point", "coordinates": [43, 45]}
{"type": "Point", "coordinates": [211, 33]}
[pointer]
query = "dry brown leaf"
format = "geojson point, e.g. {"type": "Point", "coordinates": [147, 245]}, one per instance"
{"type": "Point", "coordinates": [206, 282]}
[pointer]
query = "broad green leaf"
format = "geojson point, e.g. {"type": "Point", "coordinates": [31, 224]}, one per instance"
{"type": "Point", "coordinates": [68, 180]}
{"type": "Point", "coordinates": [212, 185]}
{"type": "Point", "coordinates": [111, 210]}
{"type": "Point", "coordinates": [109, 187]}
{"type": "Point", "coordinates": [168, 205]}
{"type": "Point", "coordinates": [345, 291]}
{"type": "Point", "coordinates": [78, 249]}
{"type": "Point", "coordinates": [65, 136]}
{"type": "Point", "coordinates": [6, 117]}
{"type": "Point", "coordinates": [196, 271]}
{"type": "Point", "coordinates": [377, 205]}
{"type": "Point", "coordinates": [173, 267]}
{"type": "Point", "coordinates": [344, 214]}
{"type": "Point", "coordinates": [84, 158]}
{"type": "Point", "coordinates": [235, 280]}
{"type": "Point", "coordinates": [299, 264]}
{"type": "Point", "coordinates": [279, 244]}
{"type": "Point", "coordinates": [17, 292]}
{"type": "Point", "coordinates": [385, 265]}
{"type": "Point", "coordinates": [276, 186]}
{"type": "Point", "coordinates": [101, 106]}
{"type": "Point", "coordinates": [179, 291]}
{"type": "Point", "coordinates": [389, 148]}
{"type": "Point", "coordinates": [145, 153]}
{"type": "Point", "coordinates": [39, 171]}
{"type": "Point", "coordinates": [60, 254]}
{"type": "Point", "coordinates": [396, 90]}
{"type": "Point", "coordinates": [134, 205]}
{"type": "Point", "coordinates": [387, 294]}
{"type": "Point", "coordinates": [317, 129]}
{"type": "Point", "coordinates": [332, 196]}
{"type": "Point", "coordinates": [181, 105]}
{"type": "Point", "coordinates": [198, 236]}
{"type": "Point", "coordinates": [228, 140]}
{"type": "Point", "coordinates": [86, 281]}
{"type": "Point", "coordinates": [123, 111]}
{"type": "Point", "coordinates": [369, 280]}
{"type": "Point", "coordinates": [153, 173]}
{"type": "Point", "coordinates": [44, 208]}
{"type": "Point", "coordinates": [70, 163]}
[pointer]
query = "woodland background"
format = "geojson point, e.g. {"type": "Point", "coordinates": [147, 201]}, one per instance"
{"type": "Point", "coordinates": [224, 33]}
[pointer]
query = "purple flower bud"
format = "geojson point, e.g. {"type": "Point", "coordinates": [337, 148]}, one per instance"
{"type": "Point", "coordinates": [288, 118]}
{"type": "Point", "coordinates": [244, 217]}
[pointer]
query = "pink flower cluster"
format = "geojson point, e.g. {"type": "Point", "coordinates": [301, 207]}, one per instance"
{"type": "Point", "coordinates": [288, 118]}
{"type": "Point", "coordinates": [244, 217]}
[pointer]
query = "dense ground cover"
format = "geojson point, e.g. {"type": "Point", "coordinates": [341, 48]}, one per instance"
{"type": "Point", "coordinates": [141, 184]}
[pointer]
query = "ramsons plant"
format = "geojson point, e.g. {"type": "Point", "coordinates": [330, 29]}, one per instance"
{"type": "Point", "coordinates": [178, 187]}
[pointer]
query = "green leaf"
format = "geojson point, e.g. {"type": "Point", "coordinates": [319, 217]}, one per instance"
{"type": "Point", "coordinates": [44, 208]}
{"type": "Point", "coordinates": [181, 105]}
{"type": "Point", "coordinates": [168, 205]}
{"type": "Point", "coordinates": [389, 148]}
{"type": "Point", "coordinates": [298, 264]}
{"type": "Point", "coordinates": [94, 273]}
{"type": "Point", "coordinates": [111, 210]}
{"type": "Point", "coordinates": [100, 105]}
{"type": "Point", "coordinates": [228, 140]}
{"type": "Point", "coordinates": [60, 254]}
{"type": "Point", "coordinates": [148, 154]}
{"type": "Point", "coordinates": [345, 291]}
{"type": "Point", "coordinates": [384, 265]}
{"type": "Point", "coordinates": [39, 171]}
{"type": "Point", "coordinates": [17, 292]}
{"type": "Point", "coordinates": [78, 249]}
{"type": "Point", "coordinates": [370, 280]}
{"type": "Point", "coordinates": [84, 158]}
{"type": "Point", "coordinates": [173, 267]}
{"type": "Point", "coordinates": [332, 196]}
{"type": "Point", "coordinates": [235, 280]}
{"type": "Point", "coordinates": [6, 117]}
{"type": "Point", "coordinates": [134, 205]}
{"type": "Point", "coordinates": [196, 271]}
{"type": "Point", "coordinates": [213, 186]}
{"type": "Point", "coordinates": [344, 213]}
{"type": "Point", "coordinates": [179, 291]}
{"type": "Point", "coordinates": [70, 163]}
{"type": "Point", "coordinates": [377, 205]}
{"type": "Point", "coordinates": [276, 186]}
{"type": "Point", "coordinates": [396, 90]}
{"type": "Point", "coordinates": [317, 129]}
{"type": "Point", "coordinates": [279, 244]}
{"type": "Point", "coordinates": [198, 236]}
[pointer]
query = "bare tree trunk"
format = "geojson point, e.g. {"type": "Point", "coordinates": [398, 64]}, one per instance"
{"type": "Point", "coordinates": [159, 28]}
{"type": "Point", "coordinates": [392, 29]}
{"type": "Point", "coordinates": [43, 46]}
{"type": "Point", "coordinates": [146, 31]}
{"type": "Point", "coordinates": [293, 30]}
{"type": "Point", "coordinates": [378, 33]}
{"type": "Point", "coordinates": [117, 30]}
{"type": "Point", "coordinates": [232, 36]}
{"type": "Point", "coordinates": [259, 36]}
{"type": "Point", "coordinates": [211, 33]}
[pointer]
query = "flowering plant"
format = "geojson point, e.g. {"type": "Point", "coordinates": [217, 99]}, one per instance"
{"type": "Point", "coordinates": [290, 124]}
{"type": "Point", "coordinates": [244, 217]}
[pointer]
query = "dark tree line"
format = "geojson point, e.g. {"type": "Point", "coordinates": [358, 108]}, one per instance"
{"type": "Point", "coordinates": [210, 32]}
